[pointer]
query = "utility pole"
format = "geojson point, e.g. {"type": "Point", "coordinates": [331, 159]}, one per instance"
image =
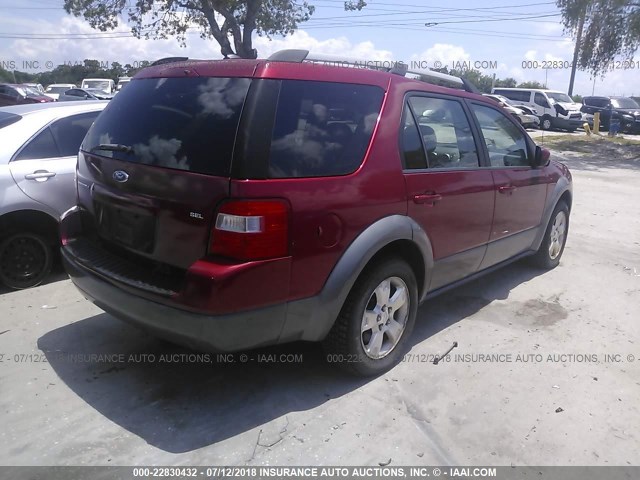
{"type": "Point", "coordinates": [576, 51]}
{"type": "Point", "coordinates": [546, 75]}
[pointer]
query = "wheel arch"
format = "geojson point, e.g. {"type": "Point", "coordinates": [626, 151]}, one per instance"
{"type": "Point", "coordinates": [562, 192]}
{"type": "Point", "coordinates": [29, 220]}
{"type": "Point", "coordinates": [396, 235]}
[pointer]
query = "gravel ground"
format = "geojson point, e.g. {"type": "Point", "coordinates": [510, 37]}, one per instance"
{"type": "Point", "coordinates": [561, 387]}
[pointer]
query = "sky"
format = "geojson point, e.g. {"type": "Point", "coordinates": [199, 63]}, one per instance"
{"type": "Point", "coordinates": [501, 37]}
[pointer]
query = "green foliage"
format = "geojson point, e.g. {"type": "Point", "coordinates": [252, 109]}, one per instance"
{"type": "Point", "coordinates": [506, 83]}
{"type": "Point", "coordinates": [611, 30]}
{"type": "Point", "coordinates": [229, 22]}
{"type": "Point", "coordinates": [482, 82]}
{"type": "Point", "coordinates": [531, 84]}
{"type": "Point", "coordinates": [577, 98]}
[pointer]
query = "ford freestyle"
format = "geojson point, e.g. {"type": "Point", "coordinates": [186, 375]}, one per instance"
{"type": "Point", "coordinates": [231, 204]}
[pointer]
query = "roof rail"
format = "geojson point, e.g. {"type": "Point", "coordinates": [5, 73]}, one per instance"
{"type": "Point", "coordinates": [390, 66]}
{"type": "Point", "coordinates": [162, 61]}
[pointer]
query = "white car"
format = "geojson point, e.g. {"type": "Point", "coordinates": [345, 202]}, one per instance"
{"type": "Point", "coordinates": [35, 86]}
{"type": "Point", "coordinates": [55, 89]}
{"type": "Point", "coordinates": [122, 81]}
{"type": "Point", "coordinates": [526, 119]}
{"type": "Point", "coordinates": [39, 146]}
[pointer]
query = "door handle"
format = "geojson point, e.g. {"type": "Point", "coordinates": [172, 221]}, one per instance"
{"type": "Point", "coordinates": [506, 189]}
{"type": "Point", "coordinates": [428, 199]}
{"type": "Point", "coordinates": [40, 175]}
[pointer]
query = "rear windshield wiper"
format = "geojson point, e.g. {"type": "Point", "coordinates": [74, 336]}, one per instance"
{"type": "Point", "coordinates": [113, 147]}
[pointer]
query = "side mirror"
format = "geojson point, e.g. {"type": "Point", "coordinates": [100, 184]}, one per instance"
{"type": "Point", "coordinates": [542, 157]}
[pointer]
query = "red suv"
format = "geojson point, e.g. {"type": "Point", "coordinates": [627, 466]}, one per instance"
{"type": "Point", "coordinates": [231, 204]}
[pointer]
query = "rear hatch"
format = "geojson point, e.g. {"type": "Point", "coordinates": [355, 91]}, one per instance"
{"type": "Point", "coordinates": [156, 163]}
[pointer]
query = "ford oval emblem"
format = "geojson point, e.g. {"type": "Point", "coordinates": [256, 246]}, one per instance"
{"type": "Point", "coordinates": [120, 176]}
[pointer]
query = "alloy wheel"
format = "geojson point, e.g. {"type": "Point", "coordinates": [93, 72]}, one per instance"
{"type": "Point", "coordinates": [385, 318]}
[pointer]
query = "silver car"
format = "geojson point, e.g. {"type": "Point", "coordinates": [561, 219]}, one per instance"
{"type": "Point", "coordinates": [39, 144]}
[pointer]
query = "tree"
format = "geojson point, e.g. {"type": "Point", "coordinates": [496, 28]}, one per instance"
{"type": "Point", "coordinates": [506, 83]}
{"type": "Point", "coordinates": [531, 84]}
{"type": "Point", "coordinates": [230, 22]}
{"type": "Point", "coordinates": [611, 29]}
{"type": "Point", "coordinates": [482, 82]}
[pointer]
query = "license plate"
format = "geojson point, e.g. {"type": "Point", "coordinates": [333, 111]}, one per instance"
{"type": "Point", "coordinates": [129, 228]}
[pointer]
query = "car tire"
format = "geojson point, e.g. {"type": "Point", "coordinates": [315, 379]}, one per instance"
{"type": "Point", "coordinates": [554, 240]}
{"type": "Point", "coordinates": [25, 260]}
{"type": "Point", "coordinates": [371, 334]}
{"type": "Point", "coordinates": [546, 123]}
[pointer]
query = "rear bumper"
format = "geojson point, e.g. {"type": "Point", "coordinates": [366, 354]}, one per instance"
{"type": "Point", "coordinates": [217, 333]}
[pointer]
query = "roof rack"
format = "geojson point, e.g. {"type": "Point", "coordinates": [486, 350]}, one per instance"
{"type": "Point", "coordinates": [162, 61]}
{"type": "Point", "coordinates": [396, 68]}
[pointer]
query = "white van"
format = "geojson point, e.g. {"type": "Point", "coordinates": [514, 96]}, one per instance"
{"type": "Point", "coordinates": [555, 109]}
{"type": "Point", "coordinates": [105, 84]}
{"type": "Point", "coordinates": [122, 81]}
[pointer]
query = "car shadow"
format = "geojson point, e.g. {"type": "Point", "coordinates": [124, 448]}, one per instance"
{"type": "Point", "coordinates": [179, 400]}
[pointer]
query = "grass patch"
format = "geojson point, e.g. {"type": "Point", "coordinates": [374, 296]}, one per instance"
{"type": "Point", "coordinates": [586, 144]}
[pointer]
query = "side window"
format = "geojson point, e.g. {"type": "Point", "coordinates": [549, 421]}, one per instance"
{"type": "Point", "coordinates": [42, 146]}
{"type": "Point", "coordinates": [506, 144]}
{"type": "Point", "coordinates": [412, 149]}
{"type": "Point", "coordinates": [70, 131]}
{"type": "Point", "coordinates": [515, 95]}
{"type": "Point", "coordinates": [540, 99]}
{"type": "Point", "coordinates": [525, 96]}
{"type": "Point", "coordinates": [446, 133]}
{"type": "Point", "coordinates": [322, 128]}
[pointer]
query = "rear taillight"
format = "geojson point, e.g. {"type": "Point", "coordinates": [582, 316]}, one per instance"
{"type": "Point", "coordinates": [251, 230]}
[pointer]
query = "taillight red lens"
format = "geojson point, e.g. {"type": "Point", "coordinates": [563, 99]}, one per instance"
{"type": "Point", "coordinates": [251, 230]}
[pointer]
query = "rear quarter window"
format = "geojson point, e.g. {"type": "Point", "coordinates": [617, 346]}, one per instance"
{"type": "Point", "coordinates": [7, 119]}
{"type": "Point", "coordinates": [322, 128]}
{"type": "Point", "coordinates": [180, 123]}
{"type": "Point", "coordinates": [69, 132]}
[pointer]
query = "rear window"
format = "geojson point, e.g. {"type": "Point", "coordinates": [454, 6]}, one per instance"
{"type": "Point", "coordinates": [624, 103]}
{"type": "Point", "coordinates": [322, 128]}
{"type": "Point", "coordinates": [7, 119]}
{"type": "Point", "coordinates": [180, 123]}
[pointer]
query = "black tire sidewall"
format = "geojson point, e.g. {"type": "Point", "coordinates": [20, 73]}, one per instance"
{"type": "Point", "coordinates": [362, 364]}
{"type": "Point", "coordinates": [48, 263]}
{"type": "Point", "coordinates": [545, 119]}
